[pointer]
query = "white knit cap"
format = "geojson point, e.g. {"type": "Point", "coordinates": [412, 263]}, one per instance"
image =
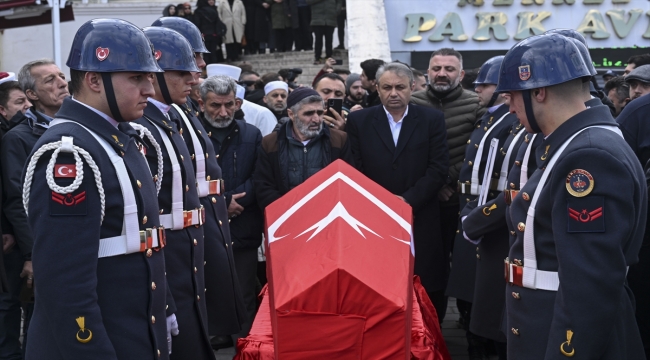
{"type": "Point", "coordinates": [240, 92]}
{"type": "Point", "coordinates": [10, 77]}
{"type": "Point", "coordinates": [274, 85]}
{"type": "Point", "coordinates": [222, 69]}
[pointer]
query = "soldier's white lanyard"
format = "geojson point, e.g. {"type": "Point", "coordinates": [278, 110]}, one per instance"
{"type": "Point", "coordinates": [523, 177]}
{"type": "Point", "coordinates": [503, 175]}
{"type": "Point", "coordinates": [533, 278]}
{"type": "Point", "coordinates": [202, 185]}
{"type": "Point", "coordinates": [475, 187]}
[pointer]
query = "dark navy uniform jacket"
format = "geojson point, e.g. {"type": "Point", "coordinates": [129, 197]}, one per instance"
{"type": "Point", "coordinates": [488, 223]}
{"type": "Point", "coordinates": [224, 300]}
{"type": "Point", "coordinates": [184, 251]}
{"type": "Point", "coordinates": [463, 271]}
{"type": "Point", "coordinates": [122, 298]}
{"type": "Point", "coordinates": [591, 253]}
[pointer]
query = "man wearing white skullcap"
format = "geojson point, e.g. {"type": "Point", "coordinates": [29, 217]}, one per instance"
{"type": "Point", "coordinates": [259, 116]}
{"type": "Point", "coordinates": [275, 98]}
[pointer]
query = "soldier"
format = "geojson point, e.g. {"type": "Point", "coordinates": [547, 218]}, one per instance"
{"type": "Point", "coordinates": [181, 212]}
{"type": "Point", "coordinates": [92, 207]}
{"type": "Point", "coordinates": [495, 124]}
{"type": "Point", "coordinates": [224, 299]}
{"type": "Point", "coordinates": [576, 231]}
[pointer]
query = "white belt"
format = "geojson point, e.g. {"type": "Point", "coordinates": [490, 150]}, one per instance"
{"type": "Point", "coordinates": [202, 186]}
{"type": "Point", "coordinates": [129, 241]}
{"type": "Point", "coordinates": [190, 217]}
{"type": "Point", "coordinates": [503, 175]}
{"type": "Point", "coordinates": [475, 187]}
{"type": "Point", "coordinates": [175, 220]}
{"type": "Point", "coordinates": [532, 277]}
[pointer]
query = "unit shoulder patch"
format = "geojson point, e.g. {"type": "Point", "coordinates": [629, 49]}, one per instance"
{"type": "Point", "coordinates": [579, 183]}
{"type": "Point", "coordinates": [586, 214]}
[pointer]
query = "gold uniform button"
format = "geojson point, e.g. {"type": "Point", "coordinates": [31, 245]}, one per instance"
{"type": "Point", "coordinates": [521, 226]}
{"type": "Point", "coordinates": [205, 262]}
{"type": "Point", "coordinates": [476, 146]}
{"type": "Point", "coordinates": [182, 158]}
{"type": "Point", "coordinates": [153, 286]}
{"type": "Point", "coordinates": [214, 200]}
{"type": "Point", "coordinates": [205, 290]}
{"type": "Point", "coordinates": [180, 131]}
{"type": "Point", "coordinates": [153, 319]}
{"type": "Point", "coordinates": [210, 133]}
{"type": "Point", "coordinates": [477, 249]}
{"type": "Point", "coordinates": [187, 188]}
{"type": "Point", "coordinates": [198, 298]}
{"type": "Point", "coordinates": [139, 183]}
{"type": "Point", "coordinates": [478, 256]}
{"type": "Point", "coordinates": [485, 128]}
{"type": "Point", "coordinates": [525, 196]}
{"type": "Point", "coordinates": [195, 242]}
{"type": "Point", "coordinates": [513, 233]}
{"type": "Point", "coordinates": [149, 252]}
{"type": "Point", "coordinates": [220, 223]}
{"type": "Point", "coordinates": [518, 163]}
{"type": "Point", "coordinates": [512, 185]}
{"type": "Point", "coordinates": [469, 163]}
{"type": "Point", "coordinates": [515, 331]}
{"type": "Point", "coordinates": [206, 155]}
{"type": "Point", "coordinates": [158, 352]}
{"type": "Point", "coordinates": [516, 295]}
{"type": "Point", "coordinates": [457, 231]}
{"type": "Point", "coordinates": [196, 270]}
{"type": "Point", "coordinates": [192, 156]}
{"type": "Point", "coordinates": [144, 220]}
{"type": "Point", "coordinates": [207, 178]}
{"type": "Point", "coordinates": [217, 156]}
{"type": "Point", "coordinates": [469, 141]}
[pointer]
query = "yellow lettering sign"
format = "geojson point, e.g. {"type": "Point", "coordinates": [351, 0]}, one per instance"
{"type": "Point", "coordinates": [561, 2]}
{"type": "Point", "coordinates": [417, 23]}
{"type": "Point", "coordinates": [502, 2]}
{"type": "Point", "coordinates": [646, 35]}
{"type": "Point", "coordinates": [452, 26]}
{"type": "Point", "coordinates": [622, 27]}
{"type": "Point", "coordinates": [494, 21]}
{"type": "Point", "coordinates": [593, 24]}
{"type": "Point", "coordinates": [462, 3]}
{"type": "Point", "coordinates": [530, 2]}
{"type": "Point", "coordinates": [530, 24]}
{"type": "Point", "coordinates": [592, 2]}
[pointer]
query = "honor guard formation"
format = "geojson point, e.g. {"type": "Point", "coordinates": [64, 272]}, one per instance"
{"type": "Point", "coordinates": [133, 193]}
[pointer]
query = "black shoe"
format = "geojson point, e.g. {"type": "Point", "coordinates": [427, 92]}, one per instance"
{"type": "Point", "coordinates": [340, 47]}
{"type": "Point", "coordinates": [221, 342]}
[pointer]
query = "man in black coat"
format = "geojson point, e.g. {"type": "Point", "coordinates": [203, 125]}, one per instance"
{"type": "Point", "coordinates": [236, 144]}
{"type": "Point", "coordinates": [404, 149]}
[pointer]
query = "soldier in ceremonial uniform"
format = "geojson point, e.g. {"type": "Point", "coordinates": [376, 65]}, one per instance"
{"type": "Point", "coordinates": [579, 219]}
{"type": "Point", "coordinates": [180, 209]}
{"type": "Point", "coordinates": [495, 124]}
{"type": "Point", "coordinates": [92, 207]}
{"type": "Point", "coordinates": [224, 300]}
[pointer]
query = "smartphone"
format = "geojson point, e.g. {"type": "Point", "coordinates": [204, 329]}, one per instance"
{"type": "Point", "coordinates": [336, 104]}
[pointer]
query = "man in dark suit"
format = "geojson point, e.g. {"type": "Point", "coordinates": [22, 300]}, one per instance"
{"type": "Point", "coordinates": [403, 148]}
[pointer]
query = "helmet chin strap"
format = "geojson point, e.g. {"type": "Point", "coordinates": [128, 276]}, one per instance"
{"type": "Point", "coordinates": [110, 97]}
{"type": "Point", "coordinates": [163, 88]}
{"type": "Point", "coordinates": [526, 94]}
{"type": "Point", "coordinates": [493, 99]}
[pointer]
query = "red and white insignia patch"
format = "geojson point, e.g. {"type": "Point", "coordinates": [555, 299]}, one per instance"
{"type": "Point", "coordinates": [157, 54]}
{"type": "Point", "coordinates": [102, 53]}
{"type": "Point", "coordinates": [69, 199]}
{"type": "Point", "coordinates": [524, 72]}
{"type": "Point", "coordinates": [65, 171]}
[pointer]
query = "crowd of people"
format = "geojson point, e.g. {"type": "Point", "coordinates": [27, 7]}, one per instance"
{"type": "Point", "coordinates": [253, 26]}
{"type": "Point", "coordinates": [133, 194]}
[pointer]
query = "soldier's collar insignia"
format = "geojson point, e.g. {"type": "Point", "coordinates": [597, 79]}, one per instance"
{"type": "Point", "coordinates": [579, 183]}
{"type": "Point", "coordinates": [524, 72]}
{"type": "Point", "coordinates": [117, 141]}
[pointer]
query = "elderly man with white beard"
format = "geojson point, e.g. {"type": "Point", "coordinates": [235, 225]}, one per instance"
{"type": "Point", "coordinates": [236, 145]}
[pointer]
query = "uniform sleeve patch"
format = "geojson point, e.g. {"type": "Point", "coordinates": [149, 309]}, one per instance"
{"type": "Point", "coordinates": [586, 214]}
{"type": "Point", "coordinates": [579, 183]}
{"type": "Point", "coordinates": [73, 204]}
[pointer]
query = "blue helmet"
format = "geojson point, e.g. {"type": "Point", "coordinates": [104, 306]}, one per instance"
{"type": "Point", "coordinates": [541, 61]}
{"type": "Point", "coordinates": [570, 33]}
{"type": "Point", "coordinates": [171, 49]}
{"type": "Point", "coordinates": [586, 57]}
{"type": "Point", "coordinates": [185, 28]}
{"type": "Point", "coordinates": [111, 45]}
{"type": "Point", "coordinates": [489, 72]}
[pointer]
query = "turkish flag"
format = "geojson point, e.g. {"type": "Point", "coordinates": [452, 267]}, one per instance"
{"type": "Point", "coordinates": [340, 261]}
{"type": "Point", "coordinates": [65, 171]}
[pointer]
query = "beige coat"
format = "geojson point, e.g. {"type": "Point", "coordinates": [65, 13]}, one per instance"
{"type": "Point", "coordinates": [235, 19]}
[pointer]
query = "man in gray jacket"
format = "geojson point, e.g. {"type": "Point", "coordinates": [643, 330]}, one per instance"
{"type": "Point", "coordinates": [461, 109]}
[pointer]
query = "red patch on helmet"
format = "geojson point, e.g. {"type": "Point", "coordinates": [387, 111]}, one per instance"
{"type": "Point", "coordinates": [102, 53]}
{"type": "Point", "coordinates": [524, 72]}
{"type": "Point", "coordinates": [157, 54]}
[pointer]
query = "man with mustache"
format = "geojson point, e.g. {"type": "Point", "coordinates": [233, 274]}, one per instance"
{"type": "Point", "coordinates": [462, 110]}
{"type": "Point", "coordinates": [299, 149]}
{"type": "Point", "coordinates": [275, 98]}
{"type": "Point", "coordinates": [236, 144]}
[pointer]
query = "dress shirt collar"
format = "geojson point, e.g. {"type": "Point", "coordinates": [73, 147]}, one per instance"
{"type": "Point", "coordinates": [104, 116]}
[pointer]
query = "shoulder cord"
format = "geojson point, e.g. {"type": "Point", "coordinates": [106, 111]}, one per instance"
{"type": "Point", "coordinates": [144, 132]}
{"type": "Point", "coordinates": [64, 145]}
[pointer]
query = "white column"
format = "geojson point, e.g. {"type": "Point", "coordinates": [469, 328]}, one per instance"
{"type": "Point", "coordinates": [367, 32]}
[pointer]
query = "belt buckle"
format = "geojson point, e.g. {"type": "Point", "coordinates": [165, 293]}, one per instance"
{"type": "Point", "coordinates": [201, 215]}
{"type": "Point", "coordinates": [162, 237]}
{"type": "Point", "coordinates": [187, 218]}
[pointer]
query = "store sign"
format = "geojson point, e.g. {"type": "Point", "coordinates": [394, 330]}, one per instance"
{"type": "Point", "coordinates": [499, 24]}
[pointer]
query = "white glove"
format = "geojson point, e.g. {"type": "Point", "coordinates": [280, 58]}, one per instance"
{"type": "Point", "coordinates": [172, 330]}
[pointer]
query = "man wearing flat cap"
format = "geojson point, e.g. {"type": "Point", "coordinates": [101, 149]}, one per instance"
{"type": "Point", "coordinates": [299, 149]}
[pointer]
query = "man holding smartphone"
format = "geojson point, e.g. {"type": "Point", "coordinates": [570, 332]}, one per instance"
{"type": "Point", "coordinates": [331, 87]}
